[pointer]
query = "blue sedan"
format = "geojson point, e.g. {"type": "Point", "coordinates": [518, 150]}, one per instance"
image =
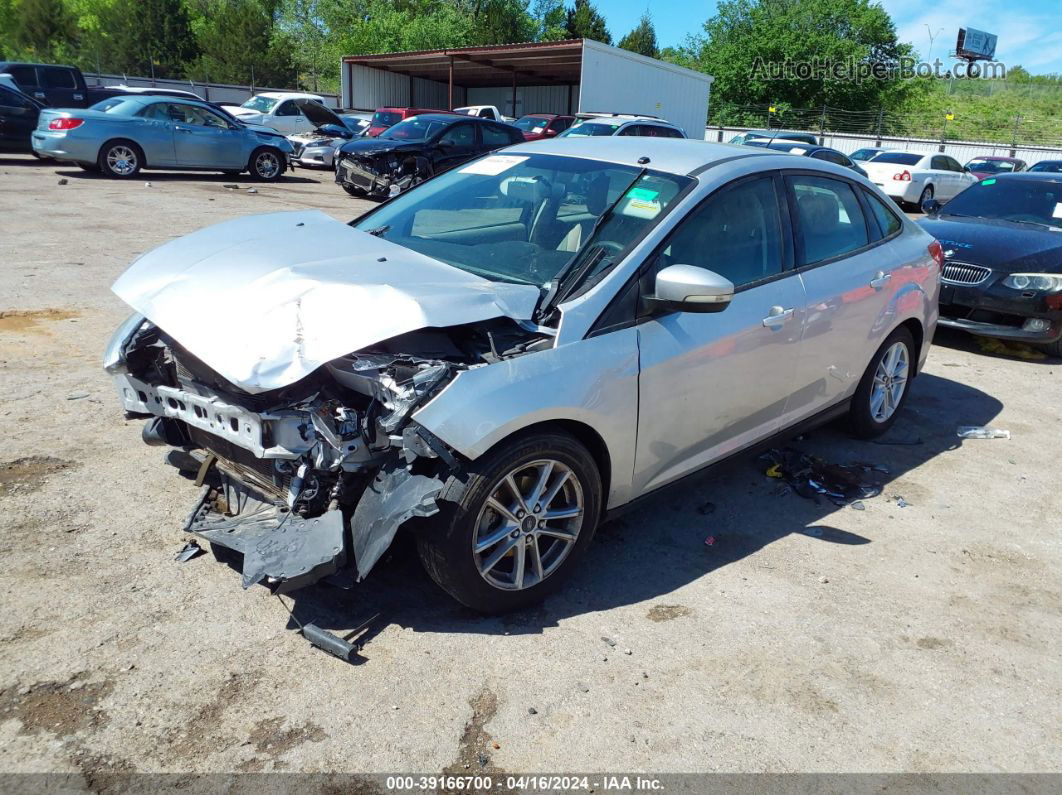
{"type": "Point", "coordinates": [121, 135]}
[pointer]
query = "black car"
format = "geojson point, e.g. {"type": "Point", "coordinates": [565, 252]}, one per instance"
{"type": "Point", "coordinates": [416, 149]}
{"type": "Point", "coordinates": [18, 119]}
{"type": "Point", "coordinates": [1002, 240]}
{"type": "Point", "coordinates": [809, 150]}
{"type": "Point", "coordinates": [1050, 166]}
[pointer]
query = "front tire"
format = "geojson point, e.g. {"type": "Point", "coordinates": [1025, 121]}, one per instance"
{"type": "Point", "coordinates": [266, 164]}
{"type": "Point", "coordinates": [489, 547]}
{"type": "Point", "coordinates": [883, 390]}
{"type": "Point", "coordinates": [1053, 349]}
{"type": "Point", "coordinates": [120, 159]}
{"type": "Point", "coordinates": [352, 191]}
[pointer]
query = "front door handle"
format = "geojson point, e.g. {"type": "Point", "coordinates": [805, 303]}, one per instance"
{"type": "Point", "coordinates": [880, 280]}
{"type": "Point", "coordinates": [777, 317]}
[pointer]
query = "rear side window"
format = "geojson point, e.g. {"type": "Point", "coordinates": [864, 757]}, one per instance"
{"type": "Point", "coordinates": [25, 76]}
{"type": "Point", "coordinates": [58, 78]}
{"type": "Point", "coordinates": [888, 222]}
{"type": "Point", "coordinates": [831, 157]}
{"type": "Point", "coordinates": [831, 221]}
{"type": "Point", "coordinates": [495, 136]}
{"type": "Point", "coordinates": [670, 132]}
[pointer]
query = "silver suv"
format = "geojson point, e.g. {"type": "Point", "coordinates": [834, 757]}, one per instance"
{"type": "Point", "coordinates": [503, 356]}
{"type": "Point", "coordinates": [605, 124]}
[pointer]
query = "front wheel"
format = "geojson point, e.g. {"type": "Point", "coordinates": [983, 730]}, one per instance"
{"type": "Point", "coordinates": [1053, 349]}
{"type": "Point", "coordinates": [266, 164]}
{"type": "Point", "coordinates": [515, 523]}
{"type": "Point", "coordinates": [352, 191]}
{"type": "Point", "coordinates": [883, 389]}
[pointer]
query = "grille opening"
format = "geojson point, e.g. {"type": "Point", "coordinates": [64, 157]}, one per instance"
{"type": "Point", "coordinates": [964, 273]}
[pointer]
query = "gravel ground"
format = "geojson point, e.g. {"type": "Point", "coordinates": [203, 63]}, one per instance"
{"type": "Point", "coordinates": [804, 638]}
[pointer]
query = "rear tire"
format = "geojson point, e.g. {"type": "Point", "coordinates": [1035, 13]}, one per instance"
{"type": "Point", "coordinates": [1053, 349]}
{"type": "Point", "coordinates": [120, 159]}
{"type": "Point", "coordinates": [927, 194]}
{"type": "Point", "coordinates": [883, 390]}
{"type": "Point", "coordinates": [266, 164]}
{"type": "Point", "coordinates": [524, 555]}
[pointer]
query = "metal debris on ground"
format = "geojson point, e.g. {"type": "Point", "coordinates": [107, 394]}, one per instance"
{"type": "Point", "coordinates": [858, 505]}
{"type": "Point", "coordinates": [810, 476]}
{"type": "Point", "coordinates": [901, 502]}
{"type": "Point", "coordinates": [147, 184]}
{"type": "Point", "coordinates": [252, 190]}
{"type": "Point", "coordinates": [77, 395]}
{"type": "Point", "coordinates": [231, 186]}
{"type": "Point", "coordinates": [981, 432]}
{"type": "Point", "coordinates": [608, 640]}
{"type": "Point", "coordinates": [188, 551]}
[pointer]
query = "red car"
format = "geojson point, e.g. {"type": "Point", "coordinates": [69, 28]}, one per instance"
{"type": "Point", "coordinates": [388, 117]}
{"type": "Point", "coordinates": [991, 165]}
{"type": "Point", "coordinates": [536, 126]}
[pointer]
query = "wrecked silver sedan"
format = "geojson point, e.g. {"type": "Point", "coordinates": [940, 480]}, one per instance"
{"type": "Point", "coordinates": [496, 359]}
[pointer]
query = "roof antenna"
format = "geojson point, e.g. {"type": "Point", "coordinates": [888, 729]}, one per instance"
{"type": "Point", "coordinates": [643, 160]}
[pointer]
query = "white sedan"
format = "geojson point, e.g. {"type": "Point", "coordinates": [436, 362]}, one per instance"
{"type": "Point", "coordinates": [284, 111]}
{"type": "Point", "coordinates": [914, 177]}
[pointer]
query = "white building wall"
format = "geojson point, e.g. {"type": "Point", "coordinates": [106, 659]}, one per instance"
{"type": "Point", "coordinates": [529, 99]}
{"type": "Point", "coordinates": [619, 81]}
{"type": "Point", "coordinates": [366, 88]}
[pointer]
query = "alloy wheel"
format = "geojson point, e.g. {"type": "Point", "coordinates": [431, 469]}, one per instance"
{"type": "Point", "coordinates": [528, 525]}
{"type": "Point", "coordinates": [266, 165]}
{"type": "Point", "coordinates": [121, 160]}
{"type": "Point", "coordinates": [890, 381]}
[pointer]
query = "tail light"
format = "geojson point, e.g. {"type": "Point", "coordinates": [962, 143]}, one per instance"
{"type": "Point", "coordinates": [903, 176]}
{"type": "Point", "coordinates": [936, 251]}
{"type": "Point", "coordinates": [65, 124]}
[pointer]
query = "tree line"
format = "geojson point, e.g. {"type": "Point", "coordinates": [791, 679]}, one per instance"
{"type": "Point", "coordinates": [299, 43]}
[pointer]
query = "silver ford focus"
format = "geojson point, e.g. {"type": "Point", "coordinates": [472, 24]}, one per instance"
{"type": "Point", "coordinates": [500, 358]}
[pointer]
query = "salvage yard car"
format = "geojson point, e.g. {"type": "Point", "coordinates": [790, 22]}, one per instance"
{"type": "Point", "coordinates": [120, 136]}
{"type": "Point", "coordinates": [1002, 242]}
{"type": "Point", "coordinates": [912, 178]}
{"type": "Point", "coordinates": [505, 355]}
{"type": "Point", "coordinates": [416, 149]}
{"type": "Point", "coordinates": [287, 112]}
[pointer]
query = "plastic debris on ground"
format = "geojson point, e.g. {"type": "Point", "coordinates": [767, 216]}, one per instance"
{"type": "Point", "coordinates": [901, 502]}
{"type": "Point", "coordinates": [188, 551]}
{"type": "Point", "coordinates": [981, 432]}
{"type": "Point", "coordinates": [810, 476]}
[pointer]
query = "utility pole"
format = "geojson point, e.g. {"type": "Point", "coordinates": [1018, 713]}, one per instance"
{"type": "Point", "coordinates": [944, 128]}
{"type": "Point", "coordinates": [822, 127]}
{"type": "Point", "coordinates": [1014, 136]}
{"type": "Point", "coordinates": [881, 119]}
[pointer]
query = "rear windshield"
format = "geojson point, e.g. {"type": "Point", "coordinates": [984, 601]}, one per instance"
{"type": "Point", "coordinates": [116, 105]}
{"type": "Point", "coordinates": [385, 118]}
{"type": "Point", "coordinates": [902, 158]}
{"type": "Point", "coordinates": [588, 128]}
{"type": "Point", "coordinates": [991, 166]}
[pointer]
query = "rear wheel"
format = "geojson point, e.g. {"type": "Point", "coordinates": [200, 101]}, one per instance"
{"type": "Point", "coordinates": [120, 159]}
{"type": "Point", "coordinates": [927, 194]}
{"type": "Point", "coordinates": [514, 524]}
{"type": "Point", "coordinates": [1053, 349]}
{"type": "Point", "coordinates": [883, 389]}
{"type": "Point", "coordinates": [266, 164]}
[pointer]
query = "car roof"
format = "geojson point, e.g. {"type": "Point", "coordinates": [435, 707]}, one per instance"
{"type": "Point", "coordinates": [442, 115]}
{"type": "Point", "coordinates": [673, 155]}
{"type": "Point", "coordinates": [289, 94]}
{"type": "Point", "coordinates": [1030, 176]}
{"type": "Point", "coordinates": [997, 157]}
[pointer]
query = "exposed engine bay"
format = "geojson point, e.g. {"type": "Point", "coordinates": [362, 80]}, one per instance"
{"type": "Point", "coordinates": [318, 475]}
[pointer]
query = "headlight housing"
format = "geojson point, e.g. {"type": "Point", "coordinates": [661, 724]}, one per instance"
{"type": "Point", "coordinates": [1041, 282]}
{"type": "Point", "coordinates": [114, 353]}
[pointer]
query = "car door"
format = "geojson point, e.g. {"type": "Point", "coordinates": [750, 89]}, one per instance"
{"type": "Point", "coordinates": [711, 384]}
{"type": "Point", "coordinates": [18, 119]}
{"type": "Point", "coordinates": [155, 133]}
{"type": "Point", "coordinates": [455, 145]}
{"type": "Point", "coordinates": [963, 178]}
{"type": "Point", "coordinates": [202, 139]}
{"type": "Point", "coordinates": [28, 81]}
{"type": "Point", "coordinates": [61, 87]}
{"type": "Point", "coordinates": [843, 261]}
{"type": "Point", "coordinates": [944, 179]}
{"type": "Point", "coordinates": [289, 119]}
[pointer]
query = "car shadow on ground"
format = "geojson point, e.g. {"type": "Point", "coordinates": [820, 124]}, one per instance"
{"type": "Point", "coordinates": [649, 553]}
{"type": "Point", "coordinates": [181, 176]}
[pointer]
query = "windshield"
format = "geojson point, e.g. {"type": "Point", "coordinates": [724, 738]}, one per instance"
{"type": "Point", "coordinates": [385, 118]}
{"type": "Point", "coordinates": [260, 103]}
{"type": "Point", "coordinates": [588, 128]}
{"type": "Point", "coordinates": [1025, 201]}
{"type": "Point", "coordinates": [531, 123]}
{"type": "Point", "coordinates": [1052, 166]}
{"type": "Point", "coordinates": [522, 218]}
{"type": "Point", "coordinates": [991, 166]}
{"type": "Point", "coordinates": [900, 158]}
{"type": "Point", "coordinates": [414, 129]}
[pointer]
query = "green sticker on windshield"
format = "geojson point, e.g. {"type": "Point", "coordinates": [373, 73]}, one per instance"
{"type": "Point", "coordinates": [988, 182]}
{"type": "Point", "coordinates": [643, 194]}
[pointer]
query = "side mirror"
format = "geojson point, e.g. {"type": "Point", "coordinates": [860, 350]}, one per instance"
{"type": "Point", "coordinates": [688, 288]}
{"type": "Point", "coordinates": [549, 133]}
{"type": "Point", "coordinates": [931, 207]}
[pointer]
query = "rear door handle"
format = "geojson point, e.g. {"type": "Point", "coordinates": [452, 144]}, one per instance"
{"type": "Point", "coordinates": [880, 280]}
{"type": "Point", "coordinates": [777, 316]}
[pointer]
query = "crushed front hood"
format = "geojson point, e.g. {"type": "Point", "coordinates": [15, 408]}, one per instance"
{"type": "Point", "coordinates": [267, 299]}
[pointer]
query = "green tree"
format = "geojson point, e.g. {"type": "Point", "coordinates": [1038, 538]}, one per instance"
{"type": "Point", "coordinates": [42, 29]}
{"type": "Point", "coordinates": [749, 43]}
{"type": "Point", "coordinates": [585, 22]}
{"type": "Point", "coordinates": [237, 43]}
{"type": "Point", "coordinates": [502, 22]}
{"type": "Point", "coordinates": [642, 39]}
{"type": "Point", "coordinates": [145, 36]}
{"type": "Point", "coordinates": [550, 20]}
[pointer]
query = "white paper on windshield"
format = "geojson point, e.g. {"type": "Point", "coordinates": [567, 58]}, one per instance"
{"type": "Point", "coordinates": [1058, 210]}
{"type": "Point", "coordinates": [796, 150]}
{"type": "Point", "coordinates": [493, 165]}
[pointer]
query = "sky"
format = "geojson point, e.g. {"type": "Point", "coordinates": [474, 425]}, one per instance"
{"type": "Point", "coordinates": [1030, 31]}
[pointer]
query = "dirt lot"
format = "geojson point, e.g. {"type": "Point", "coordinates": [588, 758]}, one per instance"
{"type": "Point", "coordinates": [804, 638]}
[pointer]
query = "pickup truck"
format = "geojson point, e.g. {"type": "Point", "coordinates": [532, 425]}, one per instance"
{"type": "Point", "coordinates": [55, 85]}
{"type": "Point", "coordinates": [484, 112]}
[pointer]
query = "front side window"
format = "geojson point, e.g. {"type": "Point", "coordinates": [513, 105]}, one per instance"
{"type": "Point", "coordinates": [830, 219]}
{"type": "Point", "coordinates": [736, 233]}
{"type": "Point", "coordinates": [524, 218]}
{"type": "Point", "coordinates": [460, 136]}
{"type": "Point", "coordinates": [288, 108]}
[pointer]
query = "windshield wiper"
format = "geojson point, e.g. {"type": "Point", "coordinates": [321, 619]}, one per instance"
{"type": "Point", "coordinates": [549, 293]}
{"type": "Point", "coordinates": [378, 231]}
